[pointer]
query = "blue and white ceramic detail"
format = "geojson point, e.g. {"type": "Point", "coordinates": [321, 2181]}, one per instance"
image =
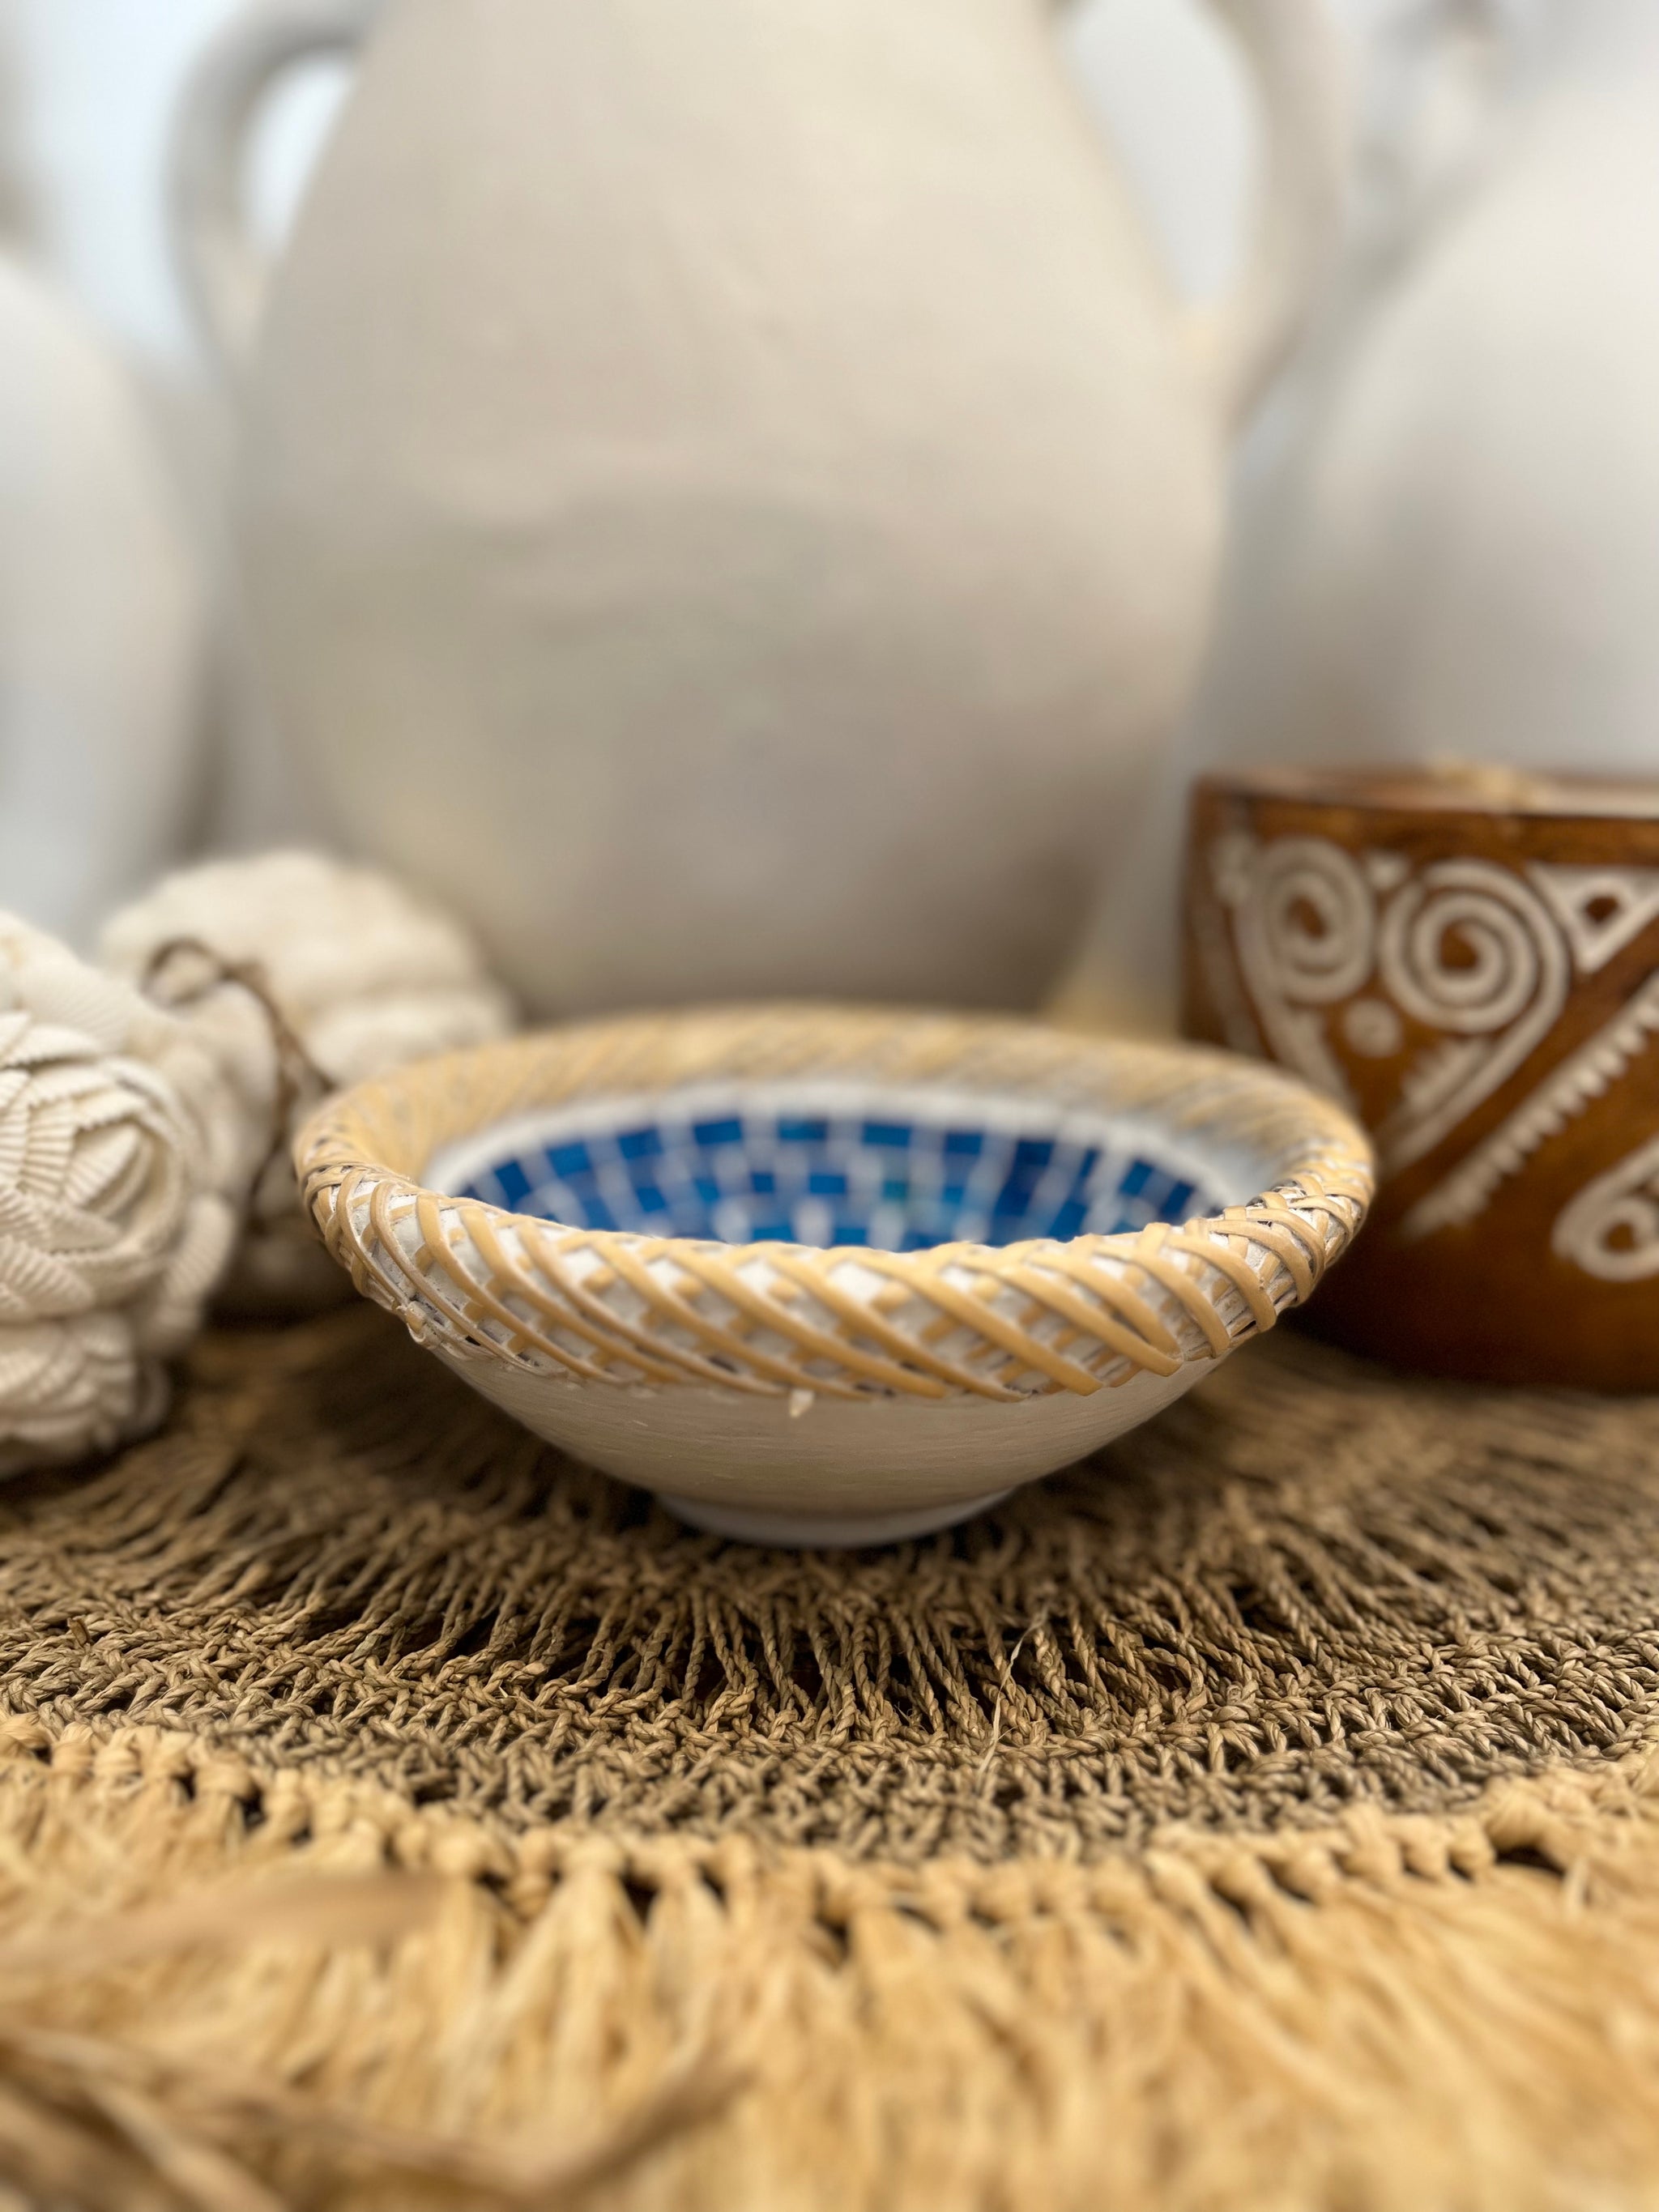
{"type": "Point", "coordinates": [829, 1165]}
{"type": "Point", "coordinates": [833, 1275]}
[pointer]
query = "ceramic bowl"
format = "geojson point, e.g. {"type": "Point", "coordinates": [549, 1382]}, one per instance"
{"type": "Point", "coordinates": [831, 1276]}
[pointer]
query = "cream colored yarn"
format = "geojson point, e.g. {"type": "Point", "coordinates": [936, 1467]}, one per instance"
{"type": "Point", "coordinates": [113, 1224]}
{"type": "Point", "coordinates": [365, 975]}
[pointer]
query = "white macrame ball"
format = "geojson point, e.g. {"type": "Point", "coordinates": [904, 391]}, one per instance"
{"type": "Point", "coordinates": [365, 975]}
{"type": "Point", "coordinates": [113, 1229]}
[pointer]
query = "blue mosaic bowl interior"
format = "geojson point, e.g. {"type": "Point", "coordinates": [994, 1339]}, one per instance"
{"type": "Point", "coordinates": [820, 1167]}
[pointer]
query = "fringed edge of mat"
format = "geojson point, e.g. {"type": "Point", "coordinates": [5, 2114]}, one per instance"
{"type": "Point", "coordinates": [235, 1991]}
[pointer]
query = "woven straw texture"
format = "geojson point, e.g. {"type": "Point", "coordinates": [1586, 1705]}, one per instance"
{"type": "Point", "coordinates": [394, 1814]}
{"type": "Point", "coordinates": [959, 1319]}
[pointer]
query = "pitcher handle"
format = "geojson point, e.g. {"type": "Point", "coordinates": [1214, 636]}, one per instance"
{"type": "Point", "coordinates": [1296, 58]}
{"type": "Point", "coordinates": [1291, 47]}
{"type": "Point", "coordinates": [223, 268]}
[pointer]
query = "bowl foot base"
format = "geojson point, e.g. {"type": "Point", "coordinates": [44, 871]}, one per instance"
{"type": "Point", "coordinates": [830, 1532]}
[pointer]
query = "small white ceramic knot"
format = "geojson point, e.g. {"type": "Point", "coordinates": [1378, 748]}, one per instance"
{"type": "Point", "coordinates": [111, 1232]}
{"type": "Point", "coordinates": [364, 976]}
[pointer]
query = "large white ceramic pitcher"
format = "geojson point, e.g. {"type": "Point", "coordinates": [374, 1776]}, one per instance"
{"type": "Point", "coordinates": [729, 499]}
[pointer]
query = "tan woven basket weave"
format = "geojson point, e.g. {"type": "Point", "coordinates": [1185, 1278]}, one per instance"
{"type": "Point", "coordinates": [537, 1313]}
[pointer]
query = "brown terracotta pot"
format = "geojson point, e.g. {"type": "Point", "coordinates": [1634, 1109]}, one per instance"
{"type": "Point", "coordinates": [1471, 961]}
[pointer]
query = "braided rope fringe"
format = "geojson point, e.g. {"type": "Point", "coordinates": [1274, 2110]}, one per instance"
{"type": "Point", "coordinates": [1393, 2014]}
{"type": "Point", "coordinates": [611, 1307]}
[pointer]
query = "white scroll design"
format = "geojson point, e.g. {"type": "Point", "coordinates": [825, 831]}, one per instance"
{"type": "Point", "coordinates": [1560, 1098]}
{"type": "Point", "coordinates": [1611, 1230]}
{"type": "Point", "coordinates": [1500, 1001]}
{"type": "Point", "coordinates": [1600, 909]}
{"type": "Point", "coordinates": [1465, 948]}
{"type": "Point", "coordinates": [1304, 922]}
{"type": "Point", "coordinates": [1480, 954]}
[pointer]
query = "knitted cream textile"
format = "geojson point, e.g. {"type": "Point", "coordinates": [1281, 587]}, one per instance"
{"type": "Point", "coordinates": [132, 1133]}
{"type": "Point", "coordinates": [1261, 1817]}
{"type": "Point", "coordinates": [365, 973]}
{"type": "Point", "coordinates": [118, 1199]}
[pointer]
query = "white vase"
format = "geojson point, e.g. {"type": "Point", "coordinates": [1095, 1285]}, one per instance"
{"type": "Point", "coordinates": [730, 501]}
{"type": "Point", "coordinates": [101, 625]}
{"type": "Point", "coordinates": [1467, 550]}
{"type": "Point", "coordinates": [1448, 545]}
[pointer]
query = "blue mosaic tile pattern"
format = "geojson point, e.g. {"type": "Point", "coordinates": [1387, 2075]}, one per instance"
{"type": "Point", "coordinates": [751, 1173]}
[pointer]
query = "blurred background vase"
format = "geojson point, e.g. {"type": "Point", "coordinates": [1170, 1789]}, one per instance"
{"type": "Point", "coordinates": [1447, 538]}
{"type": "Point", "coordinates": [730, 501]}
{"type": "Point", "coordinates": [102, 623]}
{"type": "Point", "coordinates": [1467, 546]}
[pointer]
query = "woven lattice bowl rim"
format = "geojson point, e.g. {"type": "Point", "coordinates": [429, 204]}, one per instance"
{"type": "Point", "coordinates": [793, 1393]}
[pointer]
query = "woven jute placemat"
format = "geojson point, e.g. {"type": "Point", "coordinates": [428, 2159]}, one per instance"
{"type": "Point", "coordinates": [1261, 1816]}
